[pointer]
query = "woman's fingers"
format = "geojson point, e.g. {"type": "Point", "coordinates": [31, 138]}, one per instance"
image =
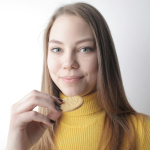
{"type": "Point", "coordinates": [36, 93]}
{"type": "Point", "coordinates": [27, 125]}
{"type": "Point", "coordinates": [60, 101]}
{"type": "Point", "coordinates": [30, 101]}
{"type": "Point", "coordinates": [24, 118]}
{"type": "Point", "coordinates": [54, 116]}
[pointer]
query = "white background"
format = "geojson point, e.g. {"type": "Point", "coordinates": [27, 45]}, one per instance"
{"type": "Point", "coordinates": [21, 31]}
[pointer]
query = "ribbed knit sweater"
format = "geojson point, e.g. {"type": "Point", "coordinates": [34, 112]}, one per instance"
{"type": "Point", "coordinates": [81, 129]}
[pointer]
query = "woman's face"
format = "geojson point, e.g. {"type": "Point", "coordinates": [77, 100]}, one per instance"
{"type": "Point", "coordinates": [72, 63]}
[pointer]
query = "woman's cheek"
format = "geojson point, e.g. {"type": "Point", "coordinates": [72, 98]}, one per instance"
{"type": "Point", "coordinates": [53, 65]}
{"type": "Point", "coordinates": [91, 65]}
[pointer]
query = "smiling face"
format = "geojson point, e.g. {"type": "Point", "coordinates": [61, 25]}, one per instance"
{"type": "Point", "coordinates": [72, 64]}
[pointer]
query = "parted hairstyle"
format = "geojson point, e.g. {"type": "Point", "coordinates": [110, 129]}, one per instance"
{"type": "Point", "coordinates": [110, 91]}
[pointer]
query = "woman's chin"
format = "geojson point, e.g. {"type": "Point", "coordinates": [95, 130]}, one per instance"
{"type": "Point", "coordinates": [72, 93]}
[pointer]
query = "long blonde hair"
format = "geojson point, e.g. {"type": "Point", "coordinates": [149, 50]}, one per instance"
{"type": "Point", "coordinates": [110, 90]}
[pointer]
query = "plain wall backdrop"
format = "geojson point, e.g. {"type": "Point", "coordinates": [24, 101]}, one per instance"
{"type": "Point", "coordinates": [21, 49]}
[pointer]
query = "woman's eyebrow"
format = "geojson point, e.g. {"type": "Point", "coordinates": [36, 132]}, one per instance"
{"type": "Point", "coordinates": [83, 40]}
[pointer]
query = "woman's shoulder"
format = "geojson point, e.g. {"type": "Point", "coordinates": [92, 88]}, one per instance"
{"type": "Point", "coordinates": [140, 119]}
{"type": "Point", "coordinates": [144, 121]}
{"type": "Point", "coordinates": [141, 123]}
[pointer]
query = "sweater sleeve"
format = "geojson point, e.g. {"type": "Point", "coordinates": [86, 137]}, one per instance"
{"type": "Point", "coordinates": [145, 142]}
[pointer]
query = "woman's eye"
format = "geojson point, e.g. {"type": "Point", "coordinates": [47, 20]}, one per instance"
{"type": "Point", "coordinates": [55, 50]}
{"type": "Point", "coordinates": [87, 49]}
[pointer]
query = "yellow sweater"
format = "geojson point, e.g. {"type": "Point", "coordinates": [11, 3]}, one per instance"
{"type": "Point", "coordinates": [81, 129]}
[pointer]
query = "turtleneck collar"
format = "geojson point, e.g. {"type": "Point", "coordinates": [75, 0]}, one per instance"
{"type": "Point", "coordinates": [90, 105]}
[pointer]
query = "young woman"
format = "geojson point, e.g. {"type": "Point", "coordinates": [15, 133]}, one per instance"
{"type": "Point", "coordinates": [79, 59]}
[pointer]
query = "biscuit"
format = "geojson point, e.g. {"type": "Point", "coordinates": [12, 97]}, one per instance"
{"type": "Point", "coordinates": [71, 103]}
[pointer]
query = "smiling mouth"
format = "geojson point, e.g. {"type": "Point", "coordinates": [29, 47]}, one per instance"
{"type": "Point", "coordinates": [71, 80]}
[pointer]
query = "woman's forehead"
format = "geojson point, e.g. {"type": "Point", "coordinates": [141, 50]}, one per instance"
{"type": "Point", "coordinates": [70, 27]}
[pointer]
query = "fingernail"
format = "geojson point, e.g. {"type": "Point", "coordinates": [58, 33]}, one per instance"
{"type": "Point", "coordinates": [58, 108]}
{"type": "Point", "coordinates": [52, 121]}
{"type": "Point", "coordinates": [60, 100]}
{"type": "Point", "coordinates": [56, 104]}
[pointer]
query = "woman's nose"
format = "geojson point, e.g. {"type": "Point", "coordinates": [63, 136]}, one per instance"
{"type": "Point", "coordinates": [70, 62]}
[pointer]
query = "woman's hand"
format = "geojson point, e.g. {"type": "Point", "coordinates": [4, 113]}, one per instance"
{"type": "Point", "coordinates": [27, 126]}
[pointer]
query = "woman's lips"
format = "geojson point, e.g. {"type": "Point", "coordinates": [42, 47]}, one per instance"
{"type": "Point", "coordinates": [71, 80]}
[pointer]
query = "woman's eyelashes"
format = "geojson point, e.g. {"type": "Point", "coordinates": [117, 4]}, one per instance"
{"type": "Point", "coordinates": [84, 49]}
{"type": "Point", "coordinates": [89, 48]}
